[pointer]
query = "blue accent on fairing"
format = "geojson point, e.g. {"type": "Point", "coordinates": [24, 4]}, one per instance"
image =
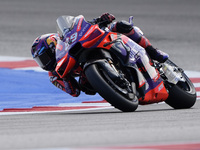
{"type": "Point", "coordinates": [26, 89]}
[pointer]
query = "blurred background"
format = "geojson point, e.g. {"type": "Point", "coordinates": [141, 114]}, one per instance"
{"type": "Point", "coordinates": [171, 25]}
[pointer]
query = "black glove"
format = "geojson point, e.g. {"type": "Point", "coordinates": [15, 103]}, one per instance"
{"type": "Point", "coordinates": [85, 85]}
{"type": "Point", "coordinates": [106, 19]}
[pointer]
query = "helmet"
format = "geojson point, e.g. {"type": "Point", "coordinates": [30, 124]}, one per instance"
{"type": "Point", "coordinates": [43, 51]}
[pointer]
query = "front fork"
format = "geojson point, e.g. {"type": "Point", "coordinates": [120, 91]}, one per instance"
{"type": "Point", "coordinates": [122, 81]}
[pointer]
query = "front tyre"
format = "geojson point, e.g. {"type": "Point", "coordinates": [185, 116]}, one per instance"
{"type": "Point", "coordinates": [99, 80]}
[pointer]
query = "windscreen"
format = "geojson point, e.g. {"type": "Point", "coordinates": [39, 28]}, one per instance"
{"type": "Point", "coordinates": [64, 24]}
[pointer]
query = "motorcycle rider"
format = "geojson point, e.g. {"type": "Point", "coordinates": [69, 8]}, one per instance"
{"type": "Point", "coordinates": [43, 52]}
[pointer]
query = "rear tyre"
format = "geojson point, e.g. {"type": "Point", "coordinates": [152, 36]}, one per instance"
{"type": "Point", "coordinates": [99, 81]}
{"type": "Point", "coordinates": [183, 94]}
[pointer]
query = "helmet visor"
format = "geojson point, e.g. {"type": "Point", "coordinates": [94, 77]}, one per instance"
{"type": "Point", "coordinates": [44, 58]}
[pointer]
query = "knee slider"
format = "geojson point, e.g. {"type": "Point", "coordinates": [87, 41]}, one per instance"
{"type": "Point", "coordinates": [123, 26]}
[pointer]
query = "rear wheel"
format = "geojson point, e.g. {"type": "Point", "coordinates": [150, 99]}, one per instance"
{"type": "Point", "coordinates": [117, 95]}
{"type": "Point", "coordinates": [183, 94]}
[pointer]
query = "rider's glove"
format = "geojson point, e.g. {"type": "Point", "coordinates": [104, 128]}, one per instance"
{"type": "Point", "coordinates": [106, 19]}
{"type": "Point", "coordinates": [85, 85]}
{"type": "Point", "coordinates": [72, 87]}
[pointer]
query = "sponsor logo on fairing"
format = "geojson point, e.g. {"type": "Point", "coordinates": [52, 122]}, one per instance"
{"type": "Point", "coordinates": [52, 78]}
{"type": "Point", "coordinates": [83, 30]}
{"type": "Point", "coordinates": [89, 31]}
{"type": "Point", "coordinates": [160, 87]}
{"type": "Point", "coordinates": [58, 85]}
{"type": "Point", "coordinates": [79, 24]}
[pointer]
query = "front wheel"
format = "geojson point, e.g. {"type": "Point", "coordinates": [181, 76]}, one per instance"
{"type": "Point", "coordinates": [108, 90]}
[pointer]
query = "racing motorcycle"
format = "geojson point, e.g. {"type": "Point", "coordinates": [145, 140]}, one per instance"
{"type": "Point", "coordinates": [117, 68]}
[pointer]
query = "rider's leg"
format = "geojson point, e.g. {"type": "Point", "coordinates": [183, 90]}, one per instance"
{"type": "Point", "coordinates": [136, 35]}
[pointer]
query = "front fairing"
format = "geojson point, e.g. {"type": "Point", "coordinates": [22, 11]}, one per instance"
{"type": "Point", "coordinates": [68, 28]}
{"type": "Point", "coordinates": [72, 31]}
{"type": "Point", "coordinates": [65, 62]}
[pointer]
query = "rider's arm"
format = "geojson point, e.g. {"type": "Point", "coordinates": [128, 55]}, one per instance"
{"type": "Point", "coordinates": [68, 85]}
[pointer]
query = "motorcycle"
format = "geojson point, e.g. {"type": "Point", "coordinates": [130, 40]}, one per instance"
{"type": "Point", "coordinates": [117, 68]}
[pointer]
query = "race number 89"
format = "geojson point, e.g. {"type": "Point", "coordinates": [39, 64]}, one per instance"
{"type": "Point", "coordinates": [70, 40]}
{"type": "Point", "coordinates": [73, 37]}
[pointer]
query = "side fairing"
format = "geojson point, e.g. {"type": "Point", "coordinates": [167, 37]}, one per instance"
{"type": "Point", "coordinates": [155, 90]}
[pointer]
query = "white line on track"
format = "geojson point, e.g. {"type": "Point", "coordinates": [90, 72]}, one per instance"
{"type": "Point", "coordinates": [59, 111]}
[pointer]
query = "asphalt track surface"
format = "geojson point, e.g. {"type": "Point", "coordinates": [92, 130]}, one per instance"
{"type": "Point", "coordinates": [171, 25]}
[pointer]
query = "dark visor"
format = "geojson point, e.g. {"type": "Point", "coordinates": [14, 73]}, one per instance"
{"type": "Point", "coordinates": [43, 58]}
